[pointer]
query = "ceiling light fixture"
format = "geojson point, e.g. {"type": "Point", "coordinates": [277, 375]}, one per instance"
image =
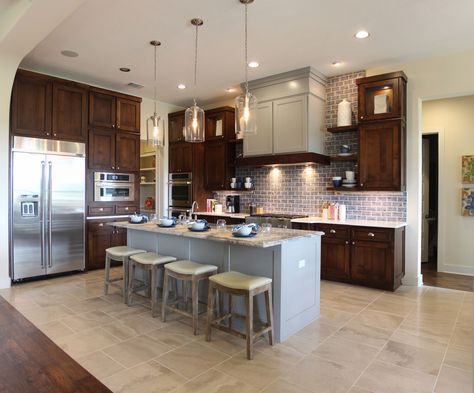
{"type": "Point", "coordinates": [153, 122]}
{"type": "Point", "coordinates": [254, 64]}
{"type": "Point", "coordinates": [69, 53]}
{"type": "Point", "coordinates": [336, 63]}
{"type": "Point", "coordinates": [181, 86]}
{"type": "Point", "coordinates": [361, 34]}
{"type": "Point", "coordinates": [124, 69]}
{"type": "Point", "coordinates": [194, 115]}
{"type": "Point", "coordinates": [246, 103]}
{"type": "Point", "coordinates": [230, 90]}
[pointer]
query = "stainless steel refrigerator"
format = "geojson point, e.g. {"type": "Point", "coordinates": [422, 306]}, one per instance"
{"type": "Point", "coordinates": [48, 206]}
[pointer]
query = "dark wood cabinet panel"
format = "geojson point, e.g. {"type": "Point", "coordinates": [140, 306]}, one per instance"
{"type": "Point", "coordinates": [335, 259]}
{"type": "Point", "coordinates": [101, 210]}
{"type": "Point", "coordinates": [228, 220]}
{"type": "Point", "coordinates": [119, 237]}
{"type": "Point", "coordinates": [180, 157]}
{"type": "Point", "coordinates": [102, 109]}
{"type": "Point", "coordinates": [220, 123]}
{"type": "Point", "coordinates": [381, 155]}
{"type": "Point", "coordinates": [101, 236]}
{"type": "Point", "coordinates": [382, 96]}
{"type": "Point", "coordinates": [128, 115]}
{"type": "Point", "coordinates": [127, 156]}
{"type": "Point", "coordinates": [69, 113]}
{"type": "Point", "coordinates": [372, 264]}
{"type": "Point", "coordinates": [215, 165]}
{"type": "Point", "coordinates": [101, 149]}
{"type": "Point", "coordinates": [31, 106]}
{"type": "Point", "coordinates": [176, 126]}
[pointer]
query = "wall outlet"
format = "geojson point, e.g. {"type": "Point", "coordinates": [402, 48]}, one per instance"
{"type": "Point", "coordinates": [301, 264]}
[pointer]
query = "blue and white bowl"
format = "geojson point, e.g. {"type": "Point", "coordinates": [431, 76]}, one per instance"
{"type": "Point", "coordinates": [245, 229]}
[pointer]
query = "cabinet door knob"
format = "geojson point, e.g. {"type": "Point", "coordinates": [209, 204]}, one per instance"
{"type": "Point", "coordinates": [362, 117]}
{"type": "Point", "coordinates": [362, 184]}
{"type": "Point", "coordinates": [47, 133]}
{"type": "Point", "coordinates": [353, 243]}
{"type": "Point", "coordinates": [347, 241]}
{"type": "Point", "coordinates": [113, 125]}
{"type": "Point", "coordinates": [332, 231]}
{"type": "Point", "coordinates": [101, 209]}
{"type": "Point", "coordinates": [370, 234]}
{"type": "Point", "coordinates": [118, 167]}
{"type": "Point", "coordinates": [126, 208]}
{"type": "Point", "coordinates": [101, 225]}
{"type": "Point", "coordinates": [113, 167]}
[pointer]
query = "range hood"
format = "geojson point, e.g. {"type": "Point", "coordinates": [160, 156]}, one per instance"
{"type": "Point", "coordinates": [283, 160]}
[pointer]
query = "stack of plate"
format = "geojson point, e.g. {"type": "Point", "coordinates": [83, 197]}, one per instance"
{"type": "Point", "coordinates": [349, 183]}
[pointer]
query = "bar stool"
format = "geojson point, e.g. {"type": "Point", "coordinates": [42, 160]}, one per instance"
{"type": "Point", "coordinates": [186, 271]}
{"type": "Point", "coordinates": [149, 262]}
{"type": "Point", "coordinates": [234, 283]}
{"type": "Point", "coordinates": [120, 254]}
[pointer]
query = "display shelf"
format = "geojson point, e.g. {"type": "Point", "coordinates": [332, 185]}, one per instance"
{"type": "Point", "coordinates": [352, 157]}
{"type": "Point", "coordinates": [345, 189]}
{"type": "Point", "coordinates": [236, 190]}
{"type": "Point", "coordinates": [150, 154]}
{"type": "Point", "coordinates": [147, 169]}
{"type": "Point", "coordinates": [351, 128]}
{"type": "Point", "coordinates": [148, 183]}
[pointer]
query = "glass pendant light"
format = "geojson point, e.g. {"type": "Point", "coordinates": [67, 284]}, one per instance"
{"type": "Point", "coordinates": [157, 137]}
{"type": "Point", "coordinates": [194, 116]}
{"type": "Point", "coordinates": [246, 103]}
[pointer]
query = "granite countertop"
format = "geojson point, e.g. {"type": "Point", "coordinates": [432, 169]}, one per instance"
{"type": "Point", "coordinates": [223, 214]}
{"type": "Point", "coordinates": [357, 223]}
{"type": "Point", "coordinates": [276, 237]}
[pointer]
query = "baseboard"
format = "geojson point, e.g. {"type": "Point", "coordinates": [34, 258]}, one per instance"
{"type": "Point", "coordinates": [464, 270]}
{"type": "Point", "coordinates": [5, 282]}
{"type": "Point", "coordinates": [414, 281]}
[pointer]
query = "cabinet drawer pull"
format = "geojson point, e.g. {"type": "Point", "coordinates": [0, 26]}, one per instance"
{"type": "Point", "coordinates": [101, 224]}
{"type": "Point", "coordinates": [101, 209]}
{"type": "Point", "coordinates": [332, 231]}
{"type": "Point", "coordinates": [370, 234]}
{"type": "Point", "coordinates": [126, 208]}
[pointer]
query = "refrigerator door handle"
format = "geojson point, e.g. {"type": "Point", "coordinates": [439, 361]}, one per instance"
{"type": "Point", "coordinates": [50, 190]}
{"type": "Point", "coordinates": [42, 213]}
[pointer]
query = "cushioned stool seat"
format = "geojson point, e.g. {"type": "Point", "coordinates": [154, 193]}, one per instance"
{"type": "Point", "coordinates": [190, 267]}
{"type": "Point", "coordinates": [121, 254]}
{"type": "Point", "coordinates": [185, 271]}
{"type": "Point", "coordinates": [150, 263]}
{"type": "Point", "coordinates": [236, 280]}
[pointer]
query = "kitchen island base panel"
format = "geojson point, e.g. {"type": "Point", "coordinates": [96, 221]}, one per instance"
{"type": "Point", "coordinates": [293, 265]}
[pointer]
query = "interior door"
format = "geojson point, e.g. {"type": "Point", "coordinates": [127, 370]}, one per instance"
{"type": "Point", "coordinates": [66, 200]}
{"type": "Point", "coordinates": [27, 205]}
{"type": "Point", "coordinates": [425, 192]}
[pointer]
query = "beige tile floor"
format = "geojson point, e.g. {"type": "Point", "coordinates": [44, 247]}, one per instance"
{"type": "Point", "coordinates": [413, 340]}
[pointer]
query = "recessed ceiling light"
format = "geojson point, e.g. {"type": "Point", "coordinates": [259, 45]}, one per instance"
{"type": "Point", "coordinates": [230, 90]}
{"type": "Point", "coordinates": [253, 64]}
{"type": "Point", "coordinates": [69, 53]}
{"type": "Point", "coordinates": [337, 63]}
{"type": "Point", "coordinates": [361, 34]}
{"type": "Point", "coordinates": [124, 69]}
{"type": "Point", "coordinates": [181, 86]}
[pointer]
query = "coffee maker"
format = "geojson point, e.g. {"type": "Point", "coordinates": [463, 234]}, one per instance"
{"type": "Point", "coordinates": [232, 203]}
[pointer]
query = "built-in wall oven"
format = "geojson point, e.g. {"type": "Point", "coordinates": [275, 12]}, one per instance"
{"type": "Point", "coordinates": [180, 190]}
{"type": "Point", "coordinates": [114, 187]}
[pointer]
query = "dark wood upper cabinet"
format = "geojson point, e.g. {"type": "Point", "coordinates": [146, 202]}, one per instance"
{"type": "Point", "coordinates": [382, 155]}
{"type": "Point", "coordinates": [382, 96]}
{"type": "Point", "coordinates": [215, 165]}
{"type": "Point", "coordinates": [180, 157]}
{"type": "Point", "coordinates": [102, 109]}
{"type": "Point", "coordinates": [101, 149]}
{"type": "Point", "coordinates": [128, 115]}
{"type": "Point", "coordinates": [31, 105]}
{"type": "Point", "coordinates": [69, 112]}
{"type": "Point", "coordinates": [176, 127]}
{"type": "Point", "coordinates": [220, 123]}
{"type": "Point", "coordinates": [127, 148]}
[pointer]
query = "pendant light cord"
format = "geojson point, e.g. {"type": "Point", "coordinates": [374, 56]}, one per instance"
{"type": "Point", "coordinates": [246, 52]}
{"type": "Point", "coordinates": [154, 85]}
{"type": "Point", "coordinates": [195, 62]}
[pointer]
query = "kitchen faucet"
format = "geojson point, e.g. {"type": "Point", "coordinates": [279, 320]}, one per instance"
{"type": "Point", "coordinates": [193, 207]}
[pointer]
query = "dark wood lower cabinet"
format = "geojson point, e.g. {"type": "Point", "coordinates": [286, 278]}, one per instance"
{"type": "Point", "coordinates": [228, 220]}
{"type": "Point", "coordinates": [101, 236]}
{"type": "Point", "coordinates": [372, 257]}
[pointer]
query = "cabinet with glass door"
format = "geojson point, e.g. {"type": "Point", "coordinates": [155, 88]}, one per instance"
{"type": "Point", "coordinates": [148, 178]}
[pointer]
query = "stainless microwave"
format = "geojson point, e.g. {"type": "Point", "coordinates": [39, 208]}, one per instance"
{"type": "Point", "coordinates": [180, 189]}
{"type": "Point", "coordinates": [114, 187]}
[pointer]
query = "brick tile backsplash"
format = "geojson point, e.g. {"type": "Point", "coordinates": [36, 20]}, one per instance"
{"type": "Point", "coordinates": [303, 189]}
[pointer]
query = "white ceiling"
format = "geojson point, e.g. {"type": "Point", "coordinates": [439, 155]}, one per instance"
{"type": "Point", "coordinates": [283, 35]}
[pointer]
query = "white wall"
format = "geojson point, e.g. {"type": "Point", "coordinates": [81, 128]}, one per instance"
{"type": "Point", "coordinates": [428, 79]}
{"type": "Point", "coordinates": [453, 118]}
{"type": "Point", "coordinates": [162, 109]}
{"type": "Point", "coordinates": [23, 24]}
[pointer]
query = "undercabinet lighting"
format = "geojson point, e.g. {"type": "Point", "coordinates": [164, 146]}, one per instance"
{"type": "Point", "coordinates": [361, 34]}
{"type": "Point", "coordinates": [254, 64]}
{"type": "Point", "coordinates": [181, 86]}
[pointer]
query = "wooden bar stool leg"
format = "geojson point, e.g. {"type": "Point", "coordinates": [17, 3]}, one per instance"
{"type": "Point", "coordinates": [154, 290]}
{"type": "Point", "coordinates": [131, 273]}
{"type": "Point", "coordinates": [195, 303]}
{"type": "Point", "coordinates": [107, 275]}
{"type": "Point", "coordinates": [230, 310]}
{"type": "Point", "coordinates": [268, 306]}
{"type": "Point", "coordinates": [125, 270]}
{"type": "Point", "coordinates": [249, 323]}
{"type": "Point", "coordinates": [210, 310]}
{"type": "Point", "coordinates": [164, 300]}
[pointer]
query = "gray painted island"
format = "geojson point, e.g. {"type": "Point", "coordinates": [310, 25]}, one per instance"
{"type": "Point", "coordinates": [290, 257]}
